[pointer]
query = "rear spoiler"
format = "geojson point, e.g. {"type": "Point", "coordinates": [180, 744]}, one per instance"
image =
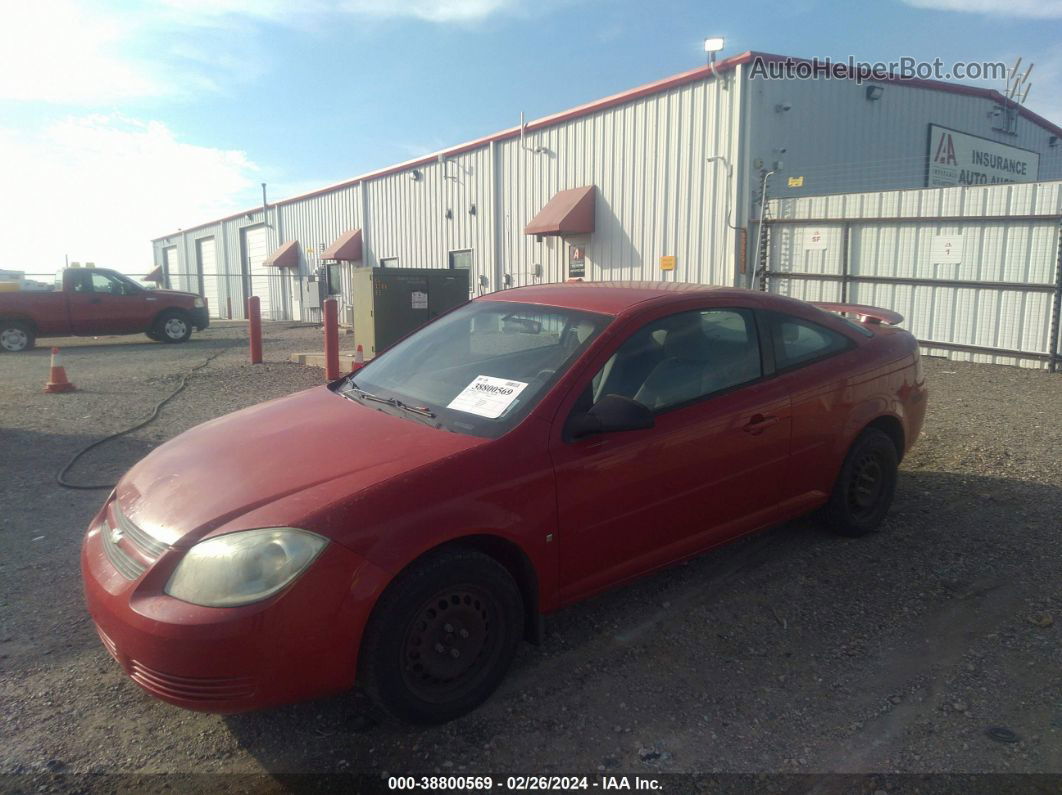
{"type": "Point", "coordinates": [865, 314]}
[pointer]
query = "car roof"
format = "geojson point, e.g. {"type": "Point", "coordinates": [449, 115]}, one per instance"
{"type": "Point", "coordinates": [613, 298]}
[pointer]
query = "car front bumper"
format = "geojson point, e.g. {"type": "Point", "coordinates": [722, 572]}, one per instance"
{"type": "Point", "coordinates": [298, 645]}
{"type": "Point", "coordinates": [201, 318]}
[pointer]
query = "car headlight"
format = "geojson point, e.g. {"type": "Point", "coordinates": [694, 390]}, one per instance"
{"type": "Point", "coordinates": [243, 567]}
{"type": "Point", "coordinates": [198, 303]}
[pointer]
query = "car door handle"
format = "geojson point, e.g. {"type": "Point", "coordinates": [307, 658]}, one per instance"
{"type": "Point", "coordinates": [759, 423]}
{"type": "Point", "coordinates": [95, 300]}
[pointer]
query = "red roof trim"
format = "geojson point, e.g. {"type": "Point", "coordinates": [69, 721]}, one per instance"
{"type": "Point", "coordinates": [667, 83]}
{"type": "Point", "coordinates": [287, 256]}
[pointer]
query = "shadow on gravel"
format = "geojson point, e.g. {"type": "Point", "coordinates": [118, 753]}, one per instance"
{"type": "Point", "coordinates": [89, 345]}
{"type": "Point", "coordinates": [42, 614]}
{"type": "Point", "coordinates": [779, 603]}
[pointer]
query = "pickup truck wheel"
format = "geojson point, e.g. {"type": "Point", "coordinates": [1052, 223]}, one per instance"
{"type": "Point", "coordinates": [442, 637]}
{"type": "Point", "coordinates": [865, 487]}
{"type": "Point", "coordinates": [173, 326]}
{"type": "Point", "coordinates": [16, 336]}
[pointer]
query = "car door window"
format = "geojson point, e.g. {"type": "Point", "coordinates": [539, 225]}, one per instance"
{"type": "Point", "coordinates": [798, 341]}
{"type": "Point", "coordinates": [105, 283]}
{"type": "Point", "coordinates": [81, 282]}
{"type": "Point", "coordinates": [683, 357]}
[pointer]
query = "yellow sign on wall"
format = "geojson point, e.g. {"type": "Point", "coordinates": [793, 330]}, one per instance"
{"type": "Point", "coordinates": [796, 182]}
{"type": "Point", "coordinates": [667, 263]}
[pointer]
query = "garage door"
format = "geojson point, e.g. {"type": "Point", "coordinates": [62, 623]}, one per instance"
{"type": "Point", "coordinates": [206, 252]}
{"type": "Point", "coordinates": [266, 282]}
{"type": "Point", "coordinates": [173, 268]}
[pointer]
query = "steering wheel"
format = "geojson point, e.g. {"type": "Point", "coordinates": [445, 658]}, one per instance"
{"type": "Point", "coordinates": [544, 375]}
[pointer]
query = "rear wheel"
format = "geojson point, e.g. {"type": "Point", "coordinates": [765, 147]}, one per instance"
{"type": "Point", "coordinates": [865, 486]}
{"type": "Point", "coordinates": [16, 336]}
{"type": "Point", "coordinates": [442, 637]}
{"type": "Point", "coordinates": [173, 326]}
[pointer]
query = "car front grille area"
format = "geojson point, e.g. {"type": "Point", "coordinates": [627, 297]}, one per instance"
{"type": "Point", "coordinates": [119, 558]}
{"type": "Point", "coordinates": [191, 688]}
{"type": "Point", "coordinates": [108, 644]}
{"type": "Point", "coordinates": [149, 546]}
{"type": "Point", "coordinates": [147, 549]}
{"type": "Point", "coordinates": [201, 689]}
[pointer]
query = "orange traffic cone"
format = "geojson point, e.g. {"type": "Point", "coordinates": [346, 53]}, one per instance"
{"type": "Point", "coordinates": [359, 359]}
{"type": "Point", "coordinates": [58, 382]}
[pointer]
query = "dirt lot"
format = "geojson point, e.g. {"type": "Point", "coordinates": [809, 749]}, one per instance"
{"type": "Point", "coordinates": [791, 651]}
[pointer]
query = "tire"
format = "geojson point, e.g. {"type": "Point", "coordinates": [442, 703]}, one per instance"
{"type": "Point", "coordinates": [173, 326]}
{"type": "Point", "coordinates": [454, 602]}
{"type": "Point", "coordinates": [16, 336]}
{"type": "Point", "coordinates": [153, 335]}
{"type": "Point", "coordinates": [865, 486]}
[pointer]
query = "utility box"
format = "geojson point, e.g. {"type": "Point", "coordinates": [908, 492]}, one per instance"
{"type": "Point", "coordinates": [391, 302]}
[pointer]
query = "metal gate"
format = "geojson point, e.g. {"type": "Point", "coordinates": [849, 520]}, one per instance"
{"type": "Point", "coordinates": [975, 271]}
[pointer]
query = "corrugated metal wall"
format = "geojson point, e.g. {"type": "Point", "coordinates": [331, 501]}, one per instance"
{"type": "Point", "coordinates": [839, 141]}
{"type": "Point", "coordinates": [656, 195]}
{"type": "Point", "coordinates": [878, 249]}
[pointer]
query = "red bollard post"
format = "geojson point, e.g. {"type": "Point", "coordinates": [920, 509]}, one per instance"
{"type": "Point", "coordinates": [254, 323]}
{"type": "Point", "coordinates": [331, 339]}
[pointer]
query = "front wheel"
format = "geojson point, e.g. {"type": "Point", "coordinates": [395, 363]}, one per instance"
{"type": "Point", "coordinates": [173, 327]}
{"type": "Point", "coordinates": [865, 486]}
{"type": "Point", "coordinates": [442, 637]}
{"type": "Point", "coordinates": [16, 336]}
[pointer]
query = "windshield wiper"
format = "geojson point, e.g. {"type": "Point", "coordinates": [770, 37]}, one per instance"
{"type": "Point", "coordinates": [398, 404]}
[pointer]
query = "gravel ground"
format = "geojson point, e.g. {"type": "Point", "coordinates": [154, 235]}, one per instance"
{"type": "Point", "coordinates": [792, 651]}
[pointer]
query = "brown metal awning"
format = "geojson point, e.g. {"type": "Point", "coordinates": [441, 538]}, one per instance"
{"type": "Point", "coordinates": [569, 212]}
{"type": "Point", "coordinates": [154, 276]}
{"type": "Point", "coordinates": [287, 256]}
{"type": "Point", "coordinates": [347, 247]}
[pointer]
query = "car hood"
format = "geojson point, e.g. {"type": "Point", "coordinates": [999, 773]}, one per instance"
{"type": "Point", "coordinates": [169, 292]}
{"type": "Point", "coordinates": [242, 462]}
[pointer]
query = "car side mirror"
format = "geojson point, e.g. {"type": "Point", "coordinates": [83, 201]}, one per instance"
{"type": "Point", "coordinates": [612, 413]}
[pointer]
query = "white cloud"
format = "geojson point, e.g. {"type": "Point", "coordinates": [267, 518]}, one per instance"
{"type": "Point", "coordinates": [99, 187]}
{"type": "Point", "coordinates": [82, 53]}
{"type": "Point", "coordinates": [1042, 9]}
{"type": "Point", "coordinates": [59, 51]}
{"type": "Point", "coordinates": [429, 10]}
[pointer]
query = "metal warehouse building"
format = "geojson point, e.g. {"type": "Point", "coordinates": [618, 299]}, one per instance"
{"type": "Point", "coordinates": [664, 181]}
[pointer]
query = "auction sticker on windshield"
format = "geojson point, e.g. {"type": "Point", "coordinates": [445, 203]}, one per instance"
{"type": "Point", "coordinates": [487, 396]}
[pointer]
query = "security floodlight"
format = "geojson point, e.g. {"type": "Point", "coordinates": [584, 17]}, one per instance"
{"type": "Point", "coordinates": [712, 45]}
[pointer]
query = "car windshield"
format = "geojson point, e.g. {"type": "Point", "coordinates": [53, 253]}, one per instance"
{"type": "Point", "coordinates": [479, 369]}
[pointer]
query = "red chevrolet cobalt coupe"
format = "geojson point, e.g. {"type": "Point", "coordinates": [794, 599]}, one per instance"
{"type": "Point", "coordinates": [404, 527]}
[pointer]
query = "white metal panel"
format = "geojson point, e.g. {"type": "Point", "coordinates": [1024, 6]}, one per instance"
{"type": "Point", "coordinates": [270, 283]}
{"type": "Point", "coordinates": [840, 142]}
{"type": "Point", "coordinates": [1012, 250]}
{"type": "Point", "coordinates": [175, 278]}
{"type": "Point", "coordinates": [206, 255]}
{"type": "Point", "coordinates": [656, 193]}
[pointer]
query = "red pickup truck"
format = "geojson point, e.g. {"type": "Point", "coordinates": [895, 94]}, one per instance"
{"type": "Point", "coordinates": [90, 302]}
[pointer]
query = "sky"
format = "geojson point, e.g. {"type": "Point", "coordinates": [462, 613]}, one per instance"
{"type": "Point", "coordinates": [125, 120]}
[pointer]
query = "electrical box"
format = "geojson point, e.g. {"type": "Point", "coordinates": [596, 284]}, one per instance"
{"type": "Point", "coordinates": [391, 302]}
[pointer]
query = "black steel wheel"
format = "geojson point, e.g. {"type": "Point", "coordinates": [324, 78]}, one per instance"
{"type": "Point", "coordinates": [442, 637]}
{"type": "Point", "coordinates": [865, 486]}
